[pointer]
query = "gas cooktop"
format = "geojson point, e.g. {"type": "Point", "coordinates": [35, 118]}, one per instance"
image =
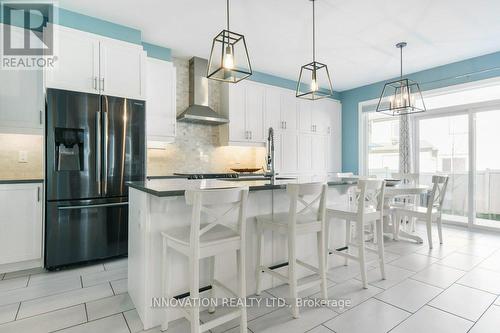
{"type": "Point", "coordinates": [229, 175]}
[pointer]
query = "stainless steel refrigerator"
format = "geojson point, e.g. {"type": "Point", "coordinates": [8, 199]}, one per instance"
{"type": "Point", "coordinates": [94, 145]}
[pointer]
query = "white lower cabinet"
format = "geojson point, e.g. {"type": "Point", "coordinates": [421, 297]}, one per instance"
{"type": "Point", "coordinates": [21, 224]}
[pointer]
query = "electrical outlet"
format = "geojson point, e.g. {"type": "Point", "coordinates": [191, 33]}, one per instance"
{"type": "Point", "coordinates": [23, 156]}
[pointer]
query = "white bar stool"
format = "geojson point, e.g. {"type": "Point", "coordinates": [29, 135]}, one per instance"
{"type": "Point", "coordinates": [205, 240]}
{"type": "Point", "coordinates": [310, 219]}
{"type": "Point", "coordinates": [430, 213]}
{"type": "Point", "coordinates": [368, 208]}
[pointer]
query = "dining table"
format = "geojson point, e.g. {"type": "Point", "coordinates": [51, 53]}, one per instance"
{"type": "Point", "coordinates": [401, 190]}
{"type": "Point", "coordinates": [392, 192]}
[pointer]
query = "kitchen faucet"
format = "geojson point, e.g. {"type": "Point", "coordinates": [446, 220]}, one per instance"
{"type": "Point", "coordinates": [270, 172]}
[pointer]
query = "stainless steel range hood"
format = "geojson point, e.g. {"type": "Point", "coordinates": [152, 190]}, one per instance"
{"type": "Point", "coordinates": [198, 110]}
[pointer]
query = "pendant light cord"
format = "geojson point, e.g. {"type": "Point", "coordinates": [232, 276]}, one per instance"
{"type": "Point", "coordinates": [227, 14]}
{"type": "Point", "coordinates": [401, 63]}
{"type": "Point", "coordinates": [314, 33]}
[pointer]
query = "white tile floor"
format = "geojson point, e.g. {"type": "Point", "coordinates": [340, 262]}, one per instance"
{"type": "Point", "coordinates": [452, 288]}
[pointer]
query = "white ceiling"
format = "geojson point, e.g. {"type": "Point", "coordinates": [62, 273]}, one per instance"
{"type": "Point", "coordinates": [355, 38]}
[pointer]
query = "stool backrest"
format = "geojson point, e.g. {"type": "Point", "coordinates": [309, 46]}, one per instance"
{"type": "Point", "coordinates": [299, 205]}
{"type": "Point", "coordinates": [436, 196]}
{"type": "Point", "coordinates": [214, 207]}
{"type": "Point", "coordinates": [371, 194]}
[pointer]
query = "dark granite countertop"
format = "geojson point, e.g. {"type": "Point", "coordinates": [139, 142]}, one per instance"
{"type": "Point", "coordinates": [20, 181]}
{"type": "Point", "coordinates": [168, 187]}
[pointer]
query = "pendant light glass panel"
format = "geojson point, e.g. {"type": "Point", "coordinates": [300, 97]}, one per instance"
{"type": "Point", "coordinates": [229, 60]}
{"type": "Point", "coordinates": [312, 78]}
{"type": "Point", "coordinates": [401, 97]}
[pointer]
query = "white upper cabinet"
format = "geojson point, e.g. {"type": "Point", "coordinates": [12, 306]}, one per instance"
{"type": "Point", "coordinates": [77, 65]}
{"type": "Point", "coordinates": [254, 112]}
{"type": "Point", "coordinates": [289, 114]}
{"type": "Point", "coordinates": [21, 223]}
{"type": "Point", "coordinates": [335, 138]}
{"type": "Point", "coordinates": [233, 107]}
{"type": "Point", "coordinates": [273, 108]}
{"type": "Point", "coordinates": [160, 101]}
{"type": "Point", "coordinates": [305, 115]}
{"type": "Point", "coordinates": [321, 116]}
{"type": "Point", "coordinates": [308, 138]}
{"type": "Point", "coordinates": [243, 104]}
{"type": "Point", "coordinates": [94, 64]}
{"type": "Point", "coordinates": [21, 95]}
{"type": "Point", "coordinates": [121, 69]}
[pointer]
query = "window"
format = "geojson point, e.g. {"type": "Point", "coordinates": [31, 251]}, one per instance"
{"type": "Point", "coordinates": [457, 136]}
{"type": "Point", "coordinates": [487, 173]}
{"type": "Point", "coordinates": [383, 145]}
{"type": "Point", "coordinates": [443, 148]}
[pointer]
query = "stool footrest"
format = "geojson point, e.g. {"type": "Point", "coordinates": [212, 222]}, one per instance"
{"type": "Point", "coordinates": [309, 267]}
{"type": "Point", "coordinates": [345, 255]}
{"type": "Point", "coordinates": [275, 274]}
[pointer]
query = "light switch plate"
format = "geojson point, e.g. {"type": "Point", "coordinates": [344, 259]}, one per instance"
{"type": "Point", "coordinates": [23, 156]}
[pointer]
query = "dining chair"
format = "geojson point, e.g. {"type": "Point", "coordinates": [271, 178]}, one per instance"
{"type": "Point", "coordinates": [432, 212]}
{"type": "Point", "coordinates": [217, 226]}
{"type": "Point", "coordinates": [406, 200]}
{"type": "Point", "coordinates": [306, 215]}
{"type": "Point", "coordinates": [367, 209]}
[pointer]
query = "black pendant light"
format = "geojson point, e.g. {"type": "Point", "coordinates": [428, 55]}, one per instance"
{"type": "Point", "coordinates": [314, 75]}
{"type": "Point", "coordinates": [401, 97]}
{"type": "Point", "coordinates": [229, 60]}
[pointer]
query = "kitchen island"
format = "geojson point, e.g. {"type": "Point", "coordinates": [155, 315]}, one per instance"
{"type": "Point", "coordinates": [159, 204]}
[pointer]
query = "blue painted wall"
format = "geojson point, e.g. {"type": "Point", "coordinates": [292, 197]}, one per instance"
{"type": "Point", "coordinates": [158, 52]}
{"type": "Point", "coordinates": [437, 77]}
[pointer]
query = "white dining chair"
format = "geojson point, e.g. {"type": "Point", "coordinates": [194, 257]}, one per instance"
{"type": "Point", "coordinates": [306, 215]}
{"type": "Point", "coordinates": [217, 226]}
{"type": "Point", "coordinates": [367, 209]}
{"type": "Point", "coordinates": [430, 213]}
{"type": "Point", "coordinates": [406, 200]}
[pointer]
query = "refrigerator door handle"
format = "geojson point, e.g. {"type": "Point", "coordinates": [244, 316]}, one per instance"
{"type": "Point", "coordinates": [98, 145]}
{"type": "Point", "coordinates": [105, 151]}
{"type": "Point", "coordinates": [93, 206]}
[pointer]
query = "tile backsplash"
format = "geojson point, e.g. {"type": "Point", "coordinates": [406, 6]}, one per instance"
{"type": "Point", "coordinates": [196, 147]}
{"type": "Point", "coordinates": [12, 147]}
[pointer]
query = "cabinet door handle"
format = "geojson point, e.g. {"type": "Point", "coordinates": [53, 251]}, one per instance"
{"type": "Point", "coordinates": [41, 116]}
{"type": "Point", "coordinates": [102, 87]}
{"type": "Point", "coordinates": [95, 83]}
{"type": "Point", "coordinates": [38, 193]}
{"type": "Point", "coordinates": [285, 124]}
{"type": "Point", "coordinates": [251, 134]}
